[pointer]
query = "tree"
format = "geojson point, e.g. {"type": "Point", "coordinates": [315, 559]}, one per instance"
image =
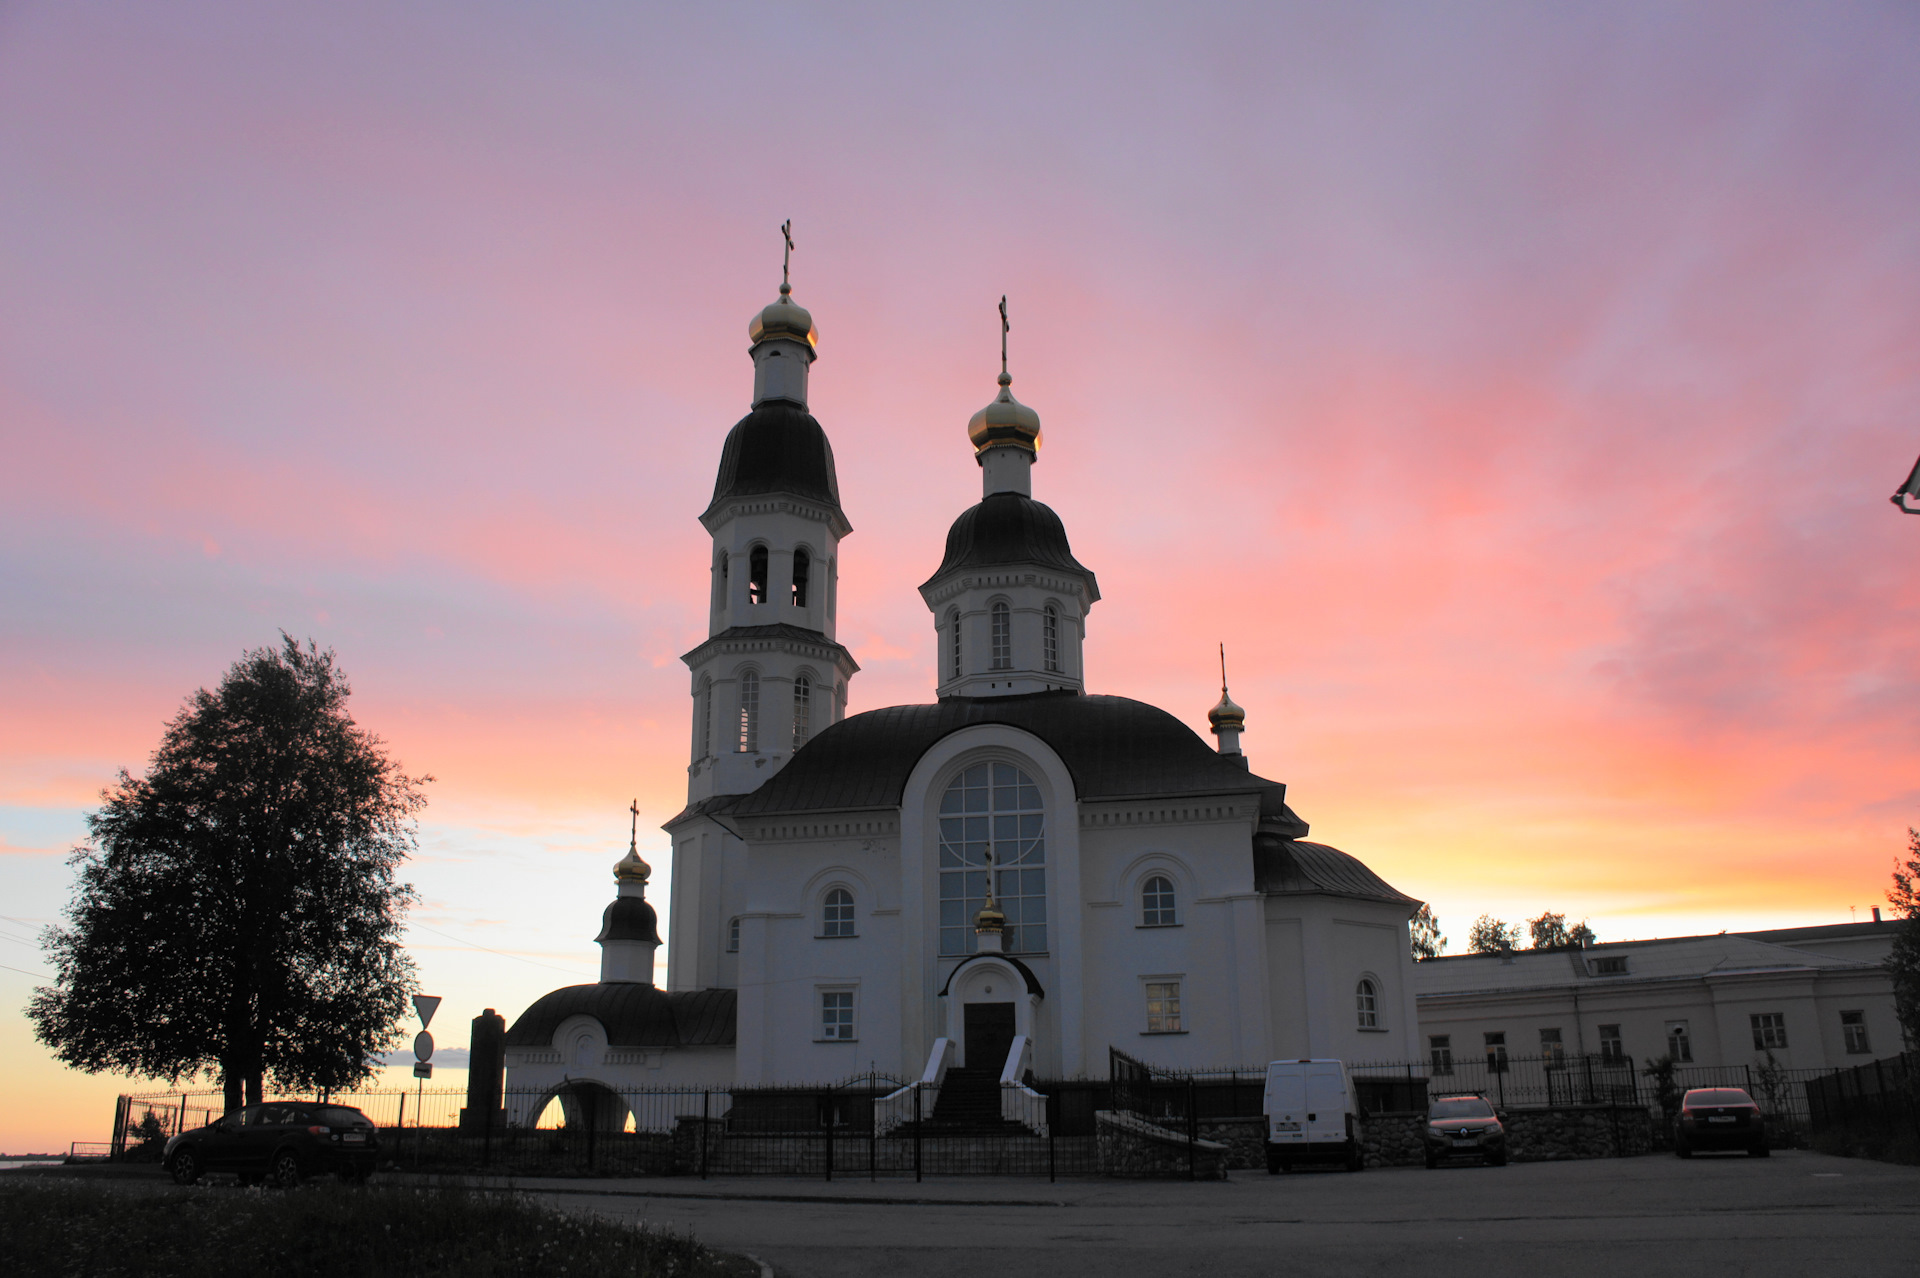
{"type": "Point", "coordinates": [1425, 934]}
{"type": "Point", "coordinates": [1549, 931]}
{"type": "Point", "coordinates": [1580, 935]}
{"type": "Point", "coordinates": [1491, 936]}
{"type": "Point", "coordinates": [236, 909]}
{"type": "Point", "coordinates": [1903, 961]}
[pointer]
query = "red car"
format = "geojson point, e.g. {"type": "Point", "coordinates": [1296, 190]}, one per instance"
{"type": "Point", "coordinates": [1720, 1118]}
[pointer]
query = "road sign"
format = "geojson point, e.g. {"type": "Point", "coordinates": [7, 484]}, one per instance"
{"type": "Point", "coordinates": [426, 1005]}
{"type": "Point", "coordinates": [423, 1069]}
{"type": "Point", "coordinates": [423, 1046]}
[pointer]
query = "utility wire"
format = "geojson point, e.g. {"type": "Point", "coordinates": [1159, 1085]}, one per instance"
{"type": "Point", "coordinates": [24, 972]}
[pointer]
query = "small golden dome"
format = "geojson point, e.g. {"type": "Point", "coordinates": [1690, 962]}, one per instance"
{"type": "Point", "coordinates": [1227, 717]}
{"type": "Point", "coordinates": [630, 868]}
{"type": "Point", "coordinates": [784, 318]}
{"type": "Point", "coordinates": [1005, 421]}
{"type": "Point", "coordinates": [989, 919]}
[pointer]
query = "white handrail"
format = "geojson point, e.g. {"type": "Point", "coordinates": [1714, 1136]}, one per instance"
{"type": "Point", "coordinates": [895, 1108]}
{"type": "Point", "coordinates": [1018, 1102]}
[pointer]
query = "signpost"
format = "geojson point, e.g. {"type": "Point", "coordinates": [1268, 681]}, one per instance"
{"type": "Point", "coordinates": [426, 1005]}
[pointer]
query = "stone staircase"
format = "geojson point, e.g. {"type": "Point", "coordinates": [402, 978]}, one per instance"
{"type": "Point", "coordinates": [969, 1105]}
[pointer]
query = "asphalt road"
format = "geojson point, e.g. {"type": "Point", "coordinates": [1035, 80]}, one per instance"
{"type": "Point", "coordinates": [1796, 1214]}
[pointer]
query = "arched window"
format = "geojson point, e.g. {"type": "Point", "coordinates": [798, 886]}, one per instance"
{"type": "Point", "coordinates": [953, 641]}
{"type": "Point", "coordinates": [992, 823]}
{"type": "Point", "coordinates": [1050, 635]}
{"type": "Point", "coordinates": [733, 935]}
{"type": "Point", "coordinates": [802, 566]}
{"type": "Point", "coordinates": [836, 913]}
{"type": "Point", "coordinates": [1366, 998]}
{"type": "Point", "coordinates": [802, 709]}
{"type": "Point", "coordinates": [1156, 902]}
{"type": "Point", "coordinates": [720, 583]}
{"type": "Point", "coordinates": [1002, 637]}
{"type": "Point", "coordinates": [757, 575]}
{"type": "Point", "coordinates": [706, 716]}
{"type": "Point", "coordinates": [748, 740]}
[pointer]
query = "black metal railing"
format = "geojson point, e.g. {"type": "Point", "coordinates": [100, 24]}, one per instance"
{"type": "Point", "coordinates": [1879, 1100]}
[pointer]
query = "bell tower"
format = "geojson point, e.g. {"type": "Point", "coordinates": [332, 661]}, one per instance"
{"type": "Point", "coordinates": [771, 673]}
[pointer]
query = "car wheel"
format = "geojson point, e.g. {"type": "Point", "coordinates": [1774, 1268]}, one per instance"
{"type": "Point", "coordinates": [1432, 1162]}
{"type": "Point", "coordinates": [286, 1169]}
{"type": "Point", "coordinates": [1497, 1160]}
{"type": "Point", "coordinates": [1759, 1151]}
{"type": "Point", "coordinates": [1356, 1159]}
{"type": "Point", "coordinates": [1273, 1163]}
{"type": "Point", "coordinates": [1682, 1150]}
{"type": "Point", "coordinates": [186, 1167]}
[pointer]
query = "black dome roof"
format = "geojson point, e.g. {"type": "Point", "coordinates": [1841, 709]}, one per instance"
{"type": "Point", "coordinates": [777, 448]}
{"type": "Point", "coordinates": [629, 918]}
{"type": "Point", "coordinates": [634, 1015]}
{"type": "Point", "coordinates": [1009, 528]}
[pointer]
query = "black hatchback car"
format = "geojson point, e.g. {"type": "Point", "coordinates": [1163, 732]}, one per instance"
{"type": "Point", "coordinates": [1720, 1118]}
{"type": "Point", "coordinates": [282, 1142]}
{"type": "Point", "coordinates": [1465, 1127]}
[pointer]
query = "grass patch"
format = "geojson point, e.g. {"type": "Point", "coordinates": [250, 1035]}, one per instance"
{"type": "Point", "coordinates": [53, 1226]}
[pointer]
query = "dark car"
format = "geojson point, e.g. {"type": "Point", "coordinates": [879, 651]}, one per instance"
{"type": "Point", "coordinates": [282, 1141]}
{"type": "Point", "coordinates": [1720, 1118]}
{"type": "Point", "coordinates": [1465, 1127]}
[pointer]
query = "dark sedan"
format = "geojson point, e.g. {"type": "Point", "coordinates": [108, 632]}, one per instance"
{"type": "Point", "coordinates": [1465, 1127]}
{"type": "Point", "coordinates": [1720, 1118]}
{"type": "Point", "coordinates": [283, 1141]}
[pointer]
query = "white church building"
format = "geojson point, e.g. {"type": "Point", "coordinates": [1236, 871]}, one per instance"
{"type": "Point", "coordinates": [1008, 879]}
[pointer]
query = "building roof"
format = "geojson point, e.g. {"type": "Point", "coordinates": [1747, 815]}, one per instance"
{"type": "Point", "coordinates": [1676, 958]}
{"type": "Point", "coordinates": [633, 1015]}
{"type": "Point", "coordinates": [777, 448]}
{"type": "Point", "coordinates": [1872, 929]}
{"type": "Point", "coordinates": [629, 918]}
{"type": "Point", "coordinates": [1285, 867]}
{"type": "Point", "coordinates": [1114, 747]}
{"type": "Point", "coordinates": [1010, 528]}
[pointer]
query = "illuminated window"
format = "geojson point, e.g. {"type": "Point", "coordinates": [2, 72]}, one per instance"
{"type": "Point", "coordinates": [757, 575]}
{"type": "Point", "coordinates": [802, 709]}
{"type": "Point", "coordinates": [992, 822]}
{"type": "Point", "coordinates": [802, 565]}
{"type": "Point", "coordinates": [1002, 637]}
{"type": "Point", "coordinates": [1156, 902]}
{"type": "Point", "coordinates": [1163, 1007]}
{"type": "Point", "coordinates": [836, 913]}
{"type": "Point", "coordinates": [1366, 998]}
{"type": "Point", "coordinates": [1050, 633]}
{"type": "Point", "coordinates": [749, 735]}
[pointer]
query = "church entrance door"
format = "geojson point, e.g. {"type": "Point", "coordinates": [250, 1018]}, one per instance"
{"type": "Point", "coordinates": [989, 1030]}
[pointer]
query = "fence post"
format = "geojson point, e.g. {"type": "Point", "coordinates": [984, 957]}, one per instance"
{"type": "Point", "coordinates": [706, 1112]}
{"type": "Point", "coordinates": [486, 1137]}
{"type": "Point", "coordinates": [1193, 1131]}
{"type": "Point", "coordinates": [1052, 1111]}
{"type": "Point", "coordinates": [826, 1123]}
{"type": "Point", "coordinates": [916, 1133]}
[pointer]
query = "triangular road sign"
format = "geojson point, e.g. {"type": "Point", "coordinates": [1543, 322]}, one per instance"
{"type": "Point", "coordinates": [426, 1005]}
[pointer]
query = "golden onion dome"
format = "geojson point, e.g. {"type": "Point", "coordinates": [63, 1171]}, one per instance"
{"type": "Point", "coordinates": [1006, 421]}
{"type": "Point", "coordinates": [1227, 716]}
{"type": "Point", "coordinates": [989, 919]}
{"type": "Point", "coordinates": [784, 318]}
{"type": "Point", "coordinates": [631, 869]}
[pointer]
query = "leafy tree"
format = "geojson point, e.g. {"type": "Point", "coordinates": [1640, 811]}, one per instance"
{"type": "Point", "coordinates": [1666, 1088]}
{"type": "Point", "coordinates": [1580, 935]}
{"type": "Point", "coordinates": [236, 908]}
{"type": "Point", "coordinates": [1425, 934]}
{"type": "Point", "coordinates": [1491, 936]}
{"type": "Point", "coordinates": [1903, 962]}
{"type": "Point", "coordinates": [1550, 932]}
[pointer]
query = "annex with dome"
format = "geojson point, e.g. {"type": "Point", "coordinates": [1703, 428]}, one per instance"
{"type": "Point", "coordinates": [1002, 882]}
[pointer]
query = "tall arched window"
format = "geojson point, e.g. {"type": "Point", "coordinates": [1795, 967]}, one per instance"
{"type": "Point", "coordinates": [720, 582]}
{"type": "Point", "coordinates": [1050, 635]}
{"type": "Point", "coordinates": [802, 709]}
{"type": "Point", "coordinates": [802, 566]}
{"type": "Point", "coordinates": [706, 716]}
{"type": "Point", "coordinates": [1002, 637]}
{"type": "Point", "coordinates": [733, 935]}
{"type": "Point", "coordinates": [992, 823]}
{"type": "Point", "coordinates": [749, 735]}
{"type": "Point", "coordinates": [953, 640]}
{"type": "Point", "coordinates": [836, 913]}
{"type": "Point", "coordinates": [1156, 902]}
{"type": "Point", "coordinates": [1366, 998]}
{"type": "Point", "coordinates": [757, 575]}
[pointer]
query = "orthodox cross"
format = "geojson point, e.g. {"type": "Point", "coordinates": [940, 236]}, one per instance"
{"type": "Point", "coordinates": [1005, 328]}
{"type": "Point", "coordinates": [1223, 669]}
{"type": "Point", "coordinates": [635, 809]}
{"type": "Point", "coordinates": [786, 257]}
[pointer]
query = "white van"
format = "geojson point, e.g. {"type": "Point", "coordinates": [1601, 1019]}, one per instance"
{"type": "Point", "coordinates": [1311, 1115]}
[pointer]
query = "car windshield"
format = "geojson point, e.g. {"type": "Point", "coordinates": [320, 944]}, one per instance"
{"type": "Point", "coordinates": [1707, 1097]}
{"type": "Point", "coordinates": [1461, 1107]}
{"type": "Point", "coordinates": [342, 1116]}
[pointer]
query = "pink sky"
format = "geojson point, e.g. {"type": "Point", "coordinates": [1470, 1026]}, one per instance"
{"type": "Point", "coordinates": [1515, 392]}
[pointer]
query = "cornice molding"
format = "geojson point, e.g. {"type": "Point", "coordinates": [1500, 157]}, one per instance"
{"type": "Point", "coordinates": [776, 504]}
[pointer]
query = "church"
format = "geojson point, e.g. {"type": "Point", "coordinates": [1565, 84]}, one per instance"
{"type": "Point", "coordinates": [1010, 878]}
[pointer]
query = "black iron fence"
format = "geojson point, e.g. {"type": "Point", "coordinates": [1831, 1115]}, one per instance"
{"type": "Point", "coordinates": [1878, 1102]}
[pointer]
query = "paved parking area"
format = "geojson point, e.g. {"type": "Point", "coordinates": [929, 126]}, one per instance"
{"type": "Point", "coordinates": [1793, 1214]}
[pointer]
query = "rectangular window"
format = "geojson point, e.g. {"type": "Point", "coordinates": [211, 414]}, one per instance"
{"type": "Point", "coordinates": [1611, 1049]}
{"type": "Point", "coordinates": [1496, 1044]}
{"type": "Point", "coordinates": [1853, 1026]}
{"type": "Point", "coordinates": [1002, 637]}
{"type": "Point", "coordinates": [1769, 1030]}
{"type": "Point", "coordinates": [992, 822]}
{"type": "Point", "coordinates": [1552, 1049]}
{"type": "Point", "coordinates": [1163, 1007]}
{"type": "Point", "coordinates": [1614, 966]}
{"type": "Point", "coordinates": [1679, 1041]}
{"type": "Point", "coordinates": [836, 1016]}
{"type": "Point", "coordinates": [1440, 1049]}
{"type": "Point", "coordinates": [1052, 637]}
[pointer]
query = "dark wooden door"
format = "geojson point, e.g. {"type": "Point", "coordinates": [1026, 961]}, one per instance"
{"type": "Point", "coordinates": [989, 1029]}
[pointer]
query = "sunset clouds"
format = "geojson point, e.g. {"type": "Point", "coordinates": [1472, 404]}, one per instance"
{"type": "Point", "coordinates": [1515, 391]}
